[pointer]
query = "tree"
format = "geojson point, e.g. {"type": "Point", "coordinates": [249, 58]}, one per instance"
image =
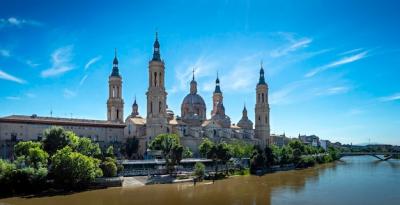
{"type": "Point", "coordinates": [170, 147]}
{"type": "Point", "coordinates": [56, 138]}
{"type": "Point", "coordinates": [269, 156]}
{"type": "Point", "coordinates": [22, 148]}
{"type": "Point", "coordinates": [86, 147]}
{"type": "Point", "coordinates": [109, 167]}
{"type": "Point", "coordinates": [30, 154]}
{"type": "Point", "coordinates": [109, 152]}
{"type": "Point", "coordinates": [205, 147]}
{"type": "Point", "coordinates": [187, 153]}
{"type": "Point", "coordinates": [296, 144]}
{"type": "Point", "coordinates": [199, 169]}
{"type": "Point", "coordinates": [286, 155]}
{"type": "Point", "coordinates": [257, 161]}
{"type": "Point", "coordinates": [131, 146]}
{"type": "Point", "coordinates": [74, 170]}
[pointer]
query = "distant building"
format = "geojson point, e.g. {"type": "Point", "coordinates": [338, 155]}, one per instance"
{"type": "Point", "coordinates": [324, 144]}
{"type": "Point", "coordinates": [312, 140]}
{"type": "Point", "coordinates": [280, 140]}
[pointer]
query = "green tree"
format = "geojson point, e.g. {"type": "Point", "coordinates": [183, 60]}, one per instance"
{"type": "Point", "coordinates": [109, 167]}
{"type": "Point", "coordinates": [187, 153]}
{"type": "Point", "coordinates": [86, 147]}
{"type": "Point", "coordinates": [257, 161]}
{"type": "Point", "coordinates": [170, 147]}
{"type": "Point", "coordinates": [296, 144]}
{"type": "Point", "coordinates": [22, 148]}
{"type": "Point", "coordinates": [109, 152]}
{"type": "Point", "coordinates": [205, 147]}
{"type": "Point", "coordinates": [74, 170]}
{"type": "Point", "coordinates": [199, 169]}
{"type": "Point", "coordinates": [286, 155]}
{"type": "Point", "coordinates": [269, 156]}
{"type": "Point", "coordinates": [131, 146]}
{"type": "Point", "coordinates": [56, 138]}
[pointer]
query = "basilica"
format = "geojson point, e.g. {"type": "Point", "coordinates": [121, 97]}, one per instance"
{"type": "Point", "coordinates": [192, 125]}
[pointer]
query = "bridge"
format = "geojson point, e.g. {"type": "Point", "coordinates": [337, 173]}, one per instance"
{"type": "Point", "coordinates": [379, 155]}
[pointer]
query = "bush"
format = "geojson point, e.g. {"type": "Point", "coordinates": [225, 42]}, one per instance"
{"type": "Point", "coordinates": [199, 169]}
{"type": "Point", "coordinates": [74, 170]}
{"type": "Point", "coordinates": [109, 167]}
{"type": "Point", "coordinates": [306, 161]}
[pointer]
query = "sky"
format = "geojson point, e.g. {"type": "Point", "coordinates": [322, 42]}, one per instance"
{"type": "Point", "coordinates": [332, 66]}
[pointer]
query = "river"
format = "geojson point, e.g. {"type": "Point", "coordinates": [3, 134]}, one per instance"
{"type": "Point", "coordinates": [353, 180]}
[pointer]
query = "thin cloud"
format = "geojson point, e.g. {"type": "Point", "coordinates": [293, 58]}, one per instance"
{"type": "Point", "coordinates": [334, 90]}
{"type": "Point", "coordinates": [295, 45]}
{"type": "Point", "coordinates": [393, 97]}
{"type": "Point", "coordinates": [15, 22]}
{"type": "Point", "coordinates": [31, 63]}
{"type": "Point", "coordinates": [351, 51]}
{"type": "Point", "coordinates": [69, 93]}
{"type": "Point", "coordinates": [6, 76]}
{"type": "Point", "coordinates": [83, 80]}
{"type": "Point", "coordinates": [342, 61]}
{"type": "Point", "coordinates": [61, 62]}
{"type": "Point", "coordinates": [92, 61]}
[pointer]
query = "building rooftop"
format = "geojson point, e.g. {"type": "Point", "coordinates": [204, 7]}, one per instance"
{"type": "Point", "coordinates": [34, 119]}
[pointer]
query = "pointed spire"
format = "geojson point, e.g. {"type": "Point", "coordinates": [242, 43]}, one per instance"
{"type": "Point", "coordinates": [261, 81]}
{"type": "Point", "coordinates": [193, 85]}
{"type": "Point", "coordinates": [193, 75]}
{"type": "Point", "coordinates": [115, 70]}
{"type": "Point", "coordinates": [134, 102]}
{"type": "Point", "coordinates": [217, 87]}
{"type": "Point", "coordinates": [156, 47]}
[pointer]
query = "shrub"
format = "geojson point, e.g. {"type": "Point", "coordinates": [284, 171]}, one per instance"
{"type": "Point", "coordinates": [306, 161]}
{"type": "Point", "coordinates": [199, 169]}
{"type": "Point", "coordinates": [74, 170]}
{"type": "Point", "coordinates": [109, 167]}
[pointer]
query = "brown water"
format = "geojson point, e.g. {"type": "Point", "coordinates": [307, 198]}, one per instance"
{"type": "Point", "coordinates": [355, 180]}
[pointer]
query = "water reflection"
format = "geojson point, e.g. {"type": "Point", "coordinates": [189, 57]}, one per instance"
{"type": "Point", "coordinates": [345, 182]}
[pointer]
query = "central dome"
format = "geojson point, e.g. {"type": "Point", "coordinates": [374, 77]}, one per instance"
{"type": "Point", "coordinates": [193, 109]}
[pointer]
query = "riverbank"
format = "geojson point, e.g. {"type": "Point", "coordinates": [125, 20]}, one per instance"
{"type": "Point", "coordinates": [344, 182]}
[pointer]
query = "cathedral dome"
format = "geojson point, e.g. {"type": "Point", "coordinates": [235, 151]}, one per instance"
{"type": "Point", "coordinates": [193, 109]}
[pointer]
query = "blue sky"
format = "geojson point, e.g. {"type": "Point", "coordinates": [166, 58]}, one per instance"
{"type": "Point", "coordinates": [332, 66]}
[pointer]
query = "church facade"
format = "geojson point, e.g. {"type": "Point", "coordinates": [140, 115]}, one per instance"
{"type": "Point", "coordinates": [192, 126]}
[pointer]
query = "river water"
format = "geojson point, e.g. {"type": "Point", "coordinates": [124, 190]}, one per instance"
{"type": "Point", "coordinates": [353, 180]}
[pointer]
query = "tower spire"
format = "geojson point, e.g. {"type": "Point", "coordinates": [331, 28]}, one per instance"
{"type": "Point", "coordinates": [261, 81]}
{"type": "Point", "coordinates": [156, 47]}
{"type": "Point", "coordinates": [115, 70]}
{"type": "Point", "coordinates": [217, 87]}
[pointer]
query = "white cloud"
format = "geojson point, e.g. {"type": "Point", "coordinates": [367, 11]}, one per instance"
{"type": "Point", "coordinates": [13, 21]}
{"type": "Point", "coordinates": [69, 93]}
{"type": "Point", "coordinates": [293, 46]}
{"type": "Point", "coordinates": [83, 79]}
{"type": "Point", "coordinates": [334, 90]}
{"type": "Point", "coordinates": [6, 76]}
{"type": "Point", "coordinates": [393, 97]}
{"type": "Point", "coordinates": [92, 61]}
{"type": "Point", "coordinates": [342, 61]}
{"type": "Point", "coordinates": [61, 62]}
{"type": "Point", "coordinates": [4, 53]}
{"type": "Point", "coordinates": [351, 51]}
{"type": "Point", "coordinates": [285, 94]}
{"type": "Point", "coordinates": [13, 98]}
{"type": "Point", "coordinates": [355, 111]}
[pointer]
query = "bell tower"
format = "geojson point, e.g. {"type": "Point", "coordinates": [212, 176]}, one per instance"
{"type": "Point", "coordinates": [156, 95]}
{"type": "Point", "coordinates": [262, 126]}
{"type": "Point", "coordinates": [115, 103]}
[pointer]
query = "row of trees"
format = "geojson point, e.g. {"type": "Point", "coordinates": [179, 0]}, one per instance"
{"type": "Point", "coordinates": [61, 160]}
{"type": "Point", "coordinates": [295, 153]}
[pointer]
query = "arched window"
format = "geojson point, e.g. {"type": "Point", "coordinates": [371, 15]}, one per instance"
{"type": "Point", "coordinates": [159, 75]}
{"type": "Point", "coordinates": [155, 79]}
{"type": "Point", "coordinates": [259, 118]}
{"type": "Point", "coordinates": [117, 114]}
{"type": "Point", "coordinates": [262, 97]}
{"type": "Point", "coordinates": [113, 92]}
{"type": "Point", "coordinates": [159, 107]}
{"type": "Point", "coordinates": [258, 97]}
